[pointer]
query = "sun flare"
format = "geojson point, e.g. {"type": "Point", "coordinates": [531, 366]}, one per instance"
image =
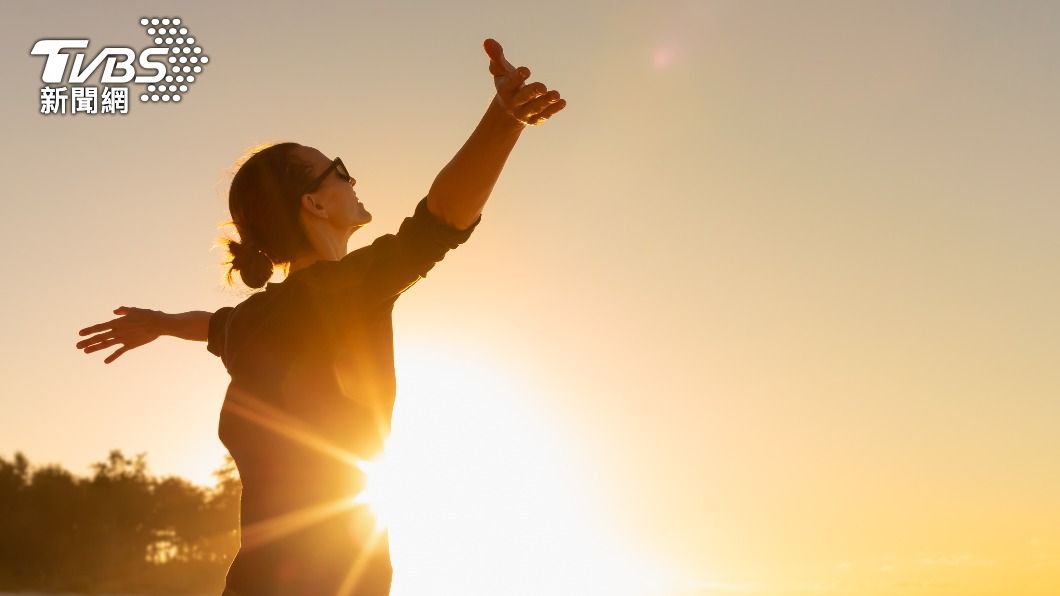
{"type": "Point", "coordinates": [378, 493]}
{"type": "Point", "coordinates": [480, 494]}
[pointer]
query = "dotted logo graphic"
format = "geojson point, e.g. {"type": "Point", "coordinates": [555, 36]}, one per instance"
{"type": "Point", "coordinates": [185, 58]}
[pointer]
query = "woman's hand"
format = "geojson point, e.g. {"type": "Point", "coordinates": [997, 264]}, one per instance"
{"type": "Point", "coordinates": [530, 104]}
{"type": "Point", "coordinates": [135, 328]}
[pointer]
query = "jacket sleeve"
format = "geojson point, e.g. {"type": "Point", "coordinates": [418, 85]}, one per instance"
{"type": "Point", "coordinates": [218, 329]}
{"type": "Point", "coordinates": [397, 261]}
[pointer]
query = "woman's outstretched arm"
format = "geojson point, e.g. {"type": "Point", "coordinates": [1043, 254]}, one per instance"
{"type": "Point", "coordinates": [139, 326]}
{"type": "Point", "coordinates": [465, 183]}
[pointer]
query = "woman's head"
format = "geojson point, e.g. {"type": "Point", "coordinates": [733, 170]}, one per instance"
{"type": "Point", "coordinates": [282, 217]}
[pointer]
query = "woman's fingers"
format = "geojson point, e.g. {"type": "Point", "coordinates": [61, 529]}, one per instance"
{"type": "Point", "coordinates": [121, 310]}
{"type": "Point", "coordinates": [98, 327]}
{"type": "Point", "coordinates": [541, 108]}
{"type": "Point", "coordinates": [539, 103]}
{"type": "Point", "coordinates": [530, 104]}
{"type": "Point", "coordinates": [95, 339]}
{"type": "Point", "coordinates": [509, 83]}
{"type": "Point", "coordinates": [499, 65]}
{"type": "Point", "coordinates": [116, 353]}
{"type": "Point", "coordinates": [547, 112]}
{"type": "Point", "coordinates": [103, 344]}
{"type": "Point", "coordinates": [134, 328]}
{"type": "Point", "coordinates": [506, 77]}
{"type": "Point", "coordinates": [529, 92]}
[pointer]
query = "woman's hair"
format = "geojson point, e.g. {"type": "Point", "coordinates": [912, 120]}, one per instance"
{"type": "Point", "coordinates": [264, 205]}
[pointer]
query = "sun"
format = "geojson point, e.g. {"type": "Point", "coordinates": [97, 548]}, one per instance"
{"type": "Point", "coordinates": [378, 493]}
{"type": "Point", "coordinates": [478, 474]}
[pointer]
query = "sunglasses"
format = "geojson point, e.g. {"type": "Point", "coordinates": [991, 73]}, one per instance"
{"type": "Point", "coordinates": [337, 166]}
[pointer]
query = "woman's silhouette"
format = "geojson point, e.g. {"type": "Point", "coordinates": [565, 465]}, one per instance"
{"type": "Point", "coordinates": [311, 358]}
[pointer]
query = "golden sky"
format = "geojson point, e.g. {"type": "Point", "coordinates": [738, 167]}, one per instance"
{"type": "Point", "coordinates": [769, 308]}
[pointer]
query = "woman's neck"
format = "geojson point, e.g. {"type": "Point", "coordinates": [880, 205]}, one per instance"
{"type": "Point", "coordinates": [325, 245]}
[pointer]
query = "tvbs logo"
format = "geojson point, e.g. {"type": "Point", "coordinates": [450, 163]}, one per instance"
{"type": "Point", "coordinates": [116, 58]}
{"type": "Point", "coordinates": [168, 68]}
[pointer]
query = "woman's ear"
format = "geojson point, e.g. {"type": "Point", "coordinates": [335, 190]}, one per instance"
{"type": "Point", "coordinates": [309, 203]}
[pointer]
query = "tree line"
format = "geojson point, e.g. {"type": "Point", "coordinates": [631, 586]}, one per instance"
{"type": "Point", "coordinates": [119, 530]}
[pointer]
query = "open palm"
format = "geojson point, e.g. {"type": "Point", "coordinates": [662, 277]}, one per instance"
{"type": "Point", "coordinates": [136, 327]}
{"type": "Point", "coordinates": [529, 104]}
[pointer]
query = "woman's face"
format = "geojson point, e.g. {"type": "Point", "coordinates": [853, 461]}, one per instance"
{"type": "Point", "coordinates": [335, 195]}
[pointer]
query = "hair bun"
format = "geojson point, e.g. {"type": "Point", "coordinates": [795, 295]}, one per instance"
{"type": "Point", "coordinates": [254, 266]}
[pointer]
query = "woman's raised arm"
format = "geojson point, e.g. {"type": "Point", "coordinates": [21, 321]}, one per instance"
{"type": "Point", "coordinates": [462, 187]}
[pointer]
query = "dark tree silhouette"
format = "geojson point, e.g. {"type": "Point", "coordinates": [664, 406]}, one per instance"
{"type": "Point", "coordinates": [119, 530]}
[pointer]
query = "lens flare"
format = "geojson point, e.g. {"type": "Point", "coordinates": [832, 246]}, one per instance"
{"type": "Point", "coordinates": [379, 493]}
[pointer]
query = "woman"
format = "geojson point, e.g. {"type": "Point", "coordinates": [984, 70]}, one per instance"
{"type": "Point", "coordinates": [311, 358]}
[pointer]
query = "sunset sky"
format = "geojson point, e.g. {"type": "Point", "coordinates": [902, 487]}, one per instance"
{"type": "Point", "coordinates": [769, 308]}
